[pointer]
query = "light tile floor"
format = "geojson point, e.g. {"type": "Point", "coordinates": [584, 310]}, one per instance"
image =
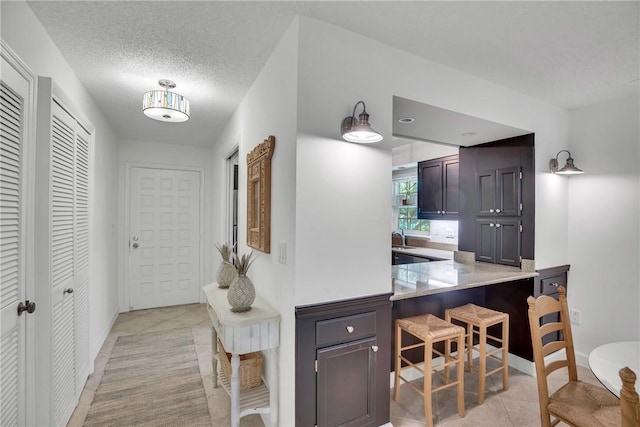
{"type": "Point", "coordinates": [517, 406]}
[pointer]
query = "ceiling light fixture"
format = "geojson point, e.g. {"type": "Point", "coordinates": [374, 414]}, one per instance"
{"type": "Point", "coordinates": [359, 130]}
{"type": "Point", "coordinates": [406, 120]}
{"type": "Point", "coordinates": [164, 105]}
{"type": "Point", "coordinates": [567, 169]}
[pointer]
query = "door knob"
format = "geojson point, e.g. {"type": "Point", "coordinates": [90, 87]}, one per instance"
{"type": "Point", "coordinates": [350, 329]}
{"type": "Point", "coordinates": [497, 225]}
{"type": "Point", "coordinates": [29, 307]}
{"type": "Point", "coordinates": [135, 245]}
{"type": "Point", "coordinates": [498, 211]}
{"type": "Point", "coordinates": [491, 210]}
{"type": "Point", "coordinates": [67, 291]}
{"type": "Point", "coordinates": [491, 224]}
{"type": "Point", "coordinates": [374, 348]}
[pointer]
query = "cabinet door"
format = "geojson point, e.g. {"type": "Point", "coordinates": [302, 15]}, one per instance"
{"type": "Point", "coordinates": [498, 241]}
{"type": "Point", "coordinates": [346, 384]}
{"type": "Point", "coordinates": [508, 191]}
{"type": "Point", "coordinates": [429, 189]}
{"type": "Point", "coordinates": [451, 179]}
{"type": "Point", "coordinates": [499, 192]}
{"type": "Point", "coordinates": [486, 240]}
{"type": "Point", "coordinates": [508, 241]}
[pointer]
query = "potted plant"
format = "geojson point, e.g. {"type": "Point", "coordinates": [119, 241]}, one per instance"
{"type": "Point", "coordinates": [226, 272]}
{"type": "Point", "coordinates": [241, 292]}
{"type": "Point", "coordinates": [408, 190]}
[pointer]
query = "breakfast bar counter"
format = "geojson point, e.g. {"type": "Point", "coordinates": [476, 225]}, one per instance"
{"type": "Point", "coordinates": [427, 278]}
{"type": "Point", "coordinates": [433, 287]}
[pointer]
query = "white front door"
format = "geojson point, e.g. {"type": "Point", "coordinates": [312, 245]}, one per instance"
{"type": "Point", "coordinates": [164, 237]}
{"type": "Point", "coordinates": [14, 99]}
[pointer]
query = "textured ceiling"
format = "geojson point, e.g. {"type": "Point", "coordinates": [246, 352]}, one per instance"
{"type": "Point", "coordinates": [567, 53]}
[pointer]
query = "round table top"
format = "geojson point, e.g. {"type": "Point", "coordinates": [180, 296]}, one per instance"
{"type": "Point", "coordinates": [606, 360]}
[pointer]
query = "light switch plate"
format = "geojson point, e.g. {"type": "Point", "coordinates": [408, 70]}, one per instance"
{"type": "Point", "coordinates": [282, 253]}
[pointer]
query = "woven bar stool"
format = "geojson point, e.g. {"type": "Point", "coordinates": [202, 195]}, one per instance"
{"type": "Point", "coordinates": [430, 330]}
{"type": "Point", "coordinates": [477, 320]}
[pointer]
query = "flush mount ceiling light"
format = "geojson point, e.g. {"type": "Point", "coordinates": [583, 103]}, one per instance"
{"type": "Point", "coordinates": [567, 169]}
{"type": "Point", "coordinates": [406, 120]}
{"type": "Point", "coordinates": [359, 130]}
{"type": "Point", "coordinates": [165, 106]}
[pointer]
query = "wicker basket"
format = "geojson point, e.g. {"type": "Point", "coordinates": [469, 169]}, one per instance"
{"type": "Point", "coordinates": [250, 372]}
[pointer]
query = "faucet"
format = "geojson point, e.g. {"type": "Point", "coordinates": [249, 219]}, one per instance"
{"type": "Point", "coordinates": [403, 238]}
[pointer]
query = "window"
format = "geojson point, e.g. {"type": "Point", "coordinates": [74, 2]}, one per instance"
{"type": "Point", "coordinates": [405, 196]}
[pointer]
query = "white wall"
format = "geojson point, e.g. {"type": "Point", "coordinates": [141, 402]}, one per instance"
{"type": "Point", "coordinates": [167, 155]}
{"type": "Point", "coordinates": [25, 35]}
{"type": "Point", "coordinates": [269, 108]}
{"type": "Point", "coordinates": [604, 223]}
{"type": "Point", "coordinates": [339, 68]}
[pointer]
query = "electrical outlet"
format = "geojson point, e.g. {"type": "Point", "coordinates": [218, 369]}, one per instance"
{"type": "Point", "coordinates": [574, 316]}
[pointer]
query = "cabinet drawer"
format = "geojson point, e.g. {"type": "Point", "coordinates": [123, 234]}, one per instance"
{"type": "Point", "coordinates": [344, 329]}
{"type": "Point", "coordinates": [549, 285]}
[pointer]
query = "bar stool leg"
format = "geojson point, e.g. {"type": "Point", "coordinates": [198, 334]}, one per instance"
{"type": "Point", "coordinates": [482, 374]}
{"type": "Point", "coordinates": [398, 363]}
{"type": "Point", "coordinates": [447, 358]}
{"type": "Point", "coordinates": [428, 408]}
{"type": "Point", "coordinates": [461, 411]}
{"type": "Point", "coordinates": [505, 353]}
{"type": "Point", "coordinates": [470, 346]}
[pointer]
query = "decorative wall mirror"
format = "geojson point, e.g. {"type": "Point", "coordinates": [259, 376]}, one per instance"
{"type": "Point", "coordinates": [259, 195]}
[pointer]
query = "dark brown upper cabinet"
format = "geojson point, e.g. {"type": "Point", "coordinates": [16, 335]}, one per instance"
{"type": "Point", "coordinates": [438, 181]}
{"type": "Point", "coordinates": [497, 186]}
{"type": "Point", "coordinates": [499, 192]}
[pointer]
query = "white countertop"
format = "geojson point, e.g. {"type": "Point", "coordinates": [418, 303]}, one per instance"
{"type": "Point", "coordinates": [426, 278]}
{"type": "Point", "coordinates": [424, 252]}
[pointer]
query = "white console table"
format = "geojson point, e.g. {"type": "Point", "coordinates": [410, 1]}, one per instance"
{"type": "Point", "coordinates": [255, 330]}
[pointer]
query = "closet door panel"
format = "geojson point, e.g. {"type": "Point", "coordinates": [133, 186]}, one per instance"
{"type": "Point", "coordinates": [13, 91]}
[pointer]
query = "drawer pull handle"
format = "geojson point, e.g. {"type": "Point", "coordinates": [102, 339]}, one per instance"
{"type": "Point", "coordinates": [350, 329]}
{"type": "Point", "coordinates": [555, 284]}
{"type": "Point", "coordinates": [374, 348]}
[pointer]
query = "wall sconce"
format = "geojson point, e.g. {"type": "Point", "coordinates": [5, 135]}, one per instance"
{"type": "Point", "coordinates": [567, 169]}
{"type": "Point", "coordinates": [359, 130]}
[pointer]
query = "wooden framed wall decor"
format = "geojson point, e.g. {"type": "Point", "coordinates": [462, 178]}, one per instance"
{"type": "Point", "coordinates": [259, 195]}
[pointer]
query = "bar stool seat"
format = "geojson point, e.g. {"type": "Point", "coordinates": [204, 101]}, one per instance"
{"type": "Point", "coordinates": [430, 329]}
{"type": "Point", "coordinates": [477, 320]}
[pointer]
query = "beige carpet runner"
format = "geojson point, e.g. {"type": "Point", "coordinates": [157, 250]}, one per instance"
{"type": "Point", "coordinates": [151, 380]}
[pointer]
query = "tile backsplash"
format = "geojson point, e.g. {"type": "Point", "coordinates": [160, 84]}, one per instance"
{"type": "Point", "coordinates": [444, 231]}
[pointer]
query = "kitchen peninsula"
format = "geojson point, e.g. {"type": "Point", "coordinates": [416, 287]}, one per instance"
{"type": "Point", "coordinates": [432, 287]}
{"type": "Point", "coordinates": [426, 278]}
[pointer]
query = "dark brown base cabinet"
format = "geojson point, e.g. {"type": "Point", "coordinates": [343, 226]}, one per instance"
{"type": "Point", "coordinates": [342, 363]}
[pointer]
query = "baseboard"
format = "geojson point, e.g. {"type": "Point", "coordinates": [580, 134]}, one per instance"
{"type": "Point", "coordinates": [102, 339]}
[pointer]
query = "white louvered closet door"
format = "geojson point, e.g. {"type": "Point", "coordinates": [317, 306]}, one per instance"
{"type": "Point", "coordinates": [69, 240]}
{"type": "Point", "coordinates": [14, 90]}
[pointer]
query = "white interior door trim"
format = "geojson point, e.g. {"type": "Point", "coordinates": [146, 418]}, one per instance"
{"type": "Point", "coordinates": [124, 288]}
{"type": "Point", "coordinates": [28, 206]}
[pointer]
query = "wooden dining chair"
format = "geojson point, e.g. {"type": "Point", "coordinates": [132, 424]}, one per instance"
{"type": "Point", "coordinates": [575, 403]}
{"type": "Point", "coordinates": [629, 402]}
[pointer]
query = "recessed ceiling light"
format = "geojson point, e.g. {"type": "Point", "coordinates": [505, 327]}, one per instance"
{"type": "Point", "coordinates": [406, 120]}
{"type": "Point", "coordinates": [468, 134]}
